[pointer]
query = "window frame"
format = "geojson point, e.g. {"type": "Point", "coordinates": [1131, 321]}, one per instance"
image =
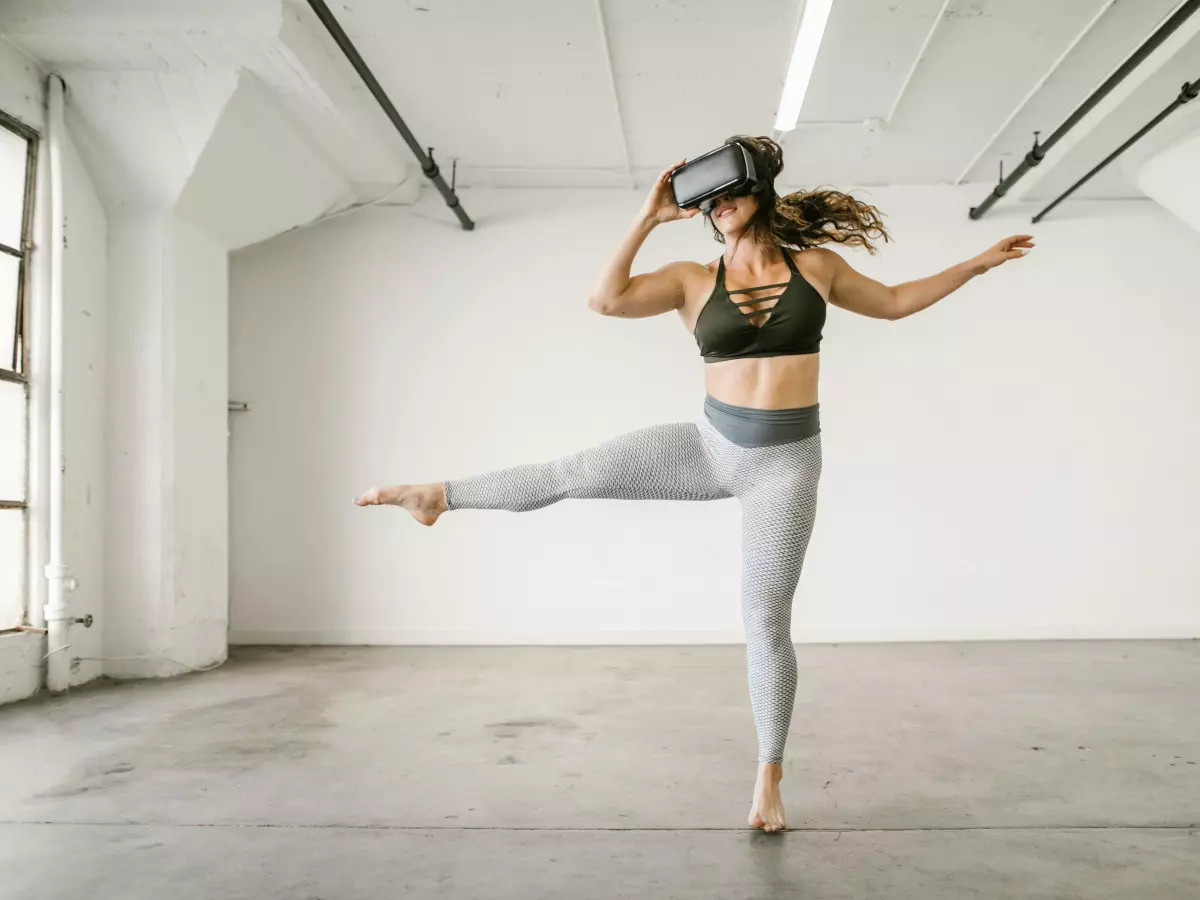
{"type": "Point", "coordinates": [14, 365]}
{"type": "Point", "coordinates": [14, 360]}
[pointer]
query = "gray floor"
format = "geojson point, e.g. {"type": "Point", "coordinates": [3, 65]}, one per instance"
{"type": "Point", "coordinates": [1032, 770]}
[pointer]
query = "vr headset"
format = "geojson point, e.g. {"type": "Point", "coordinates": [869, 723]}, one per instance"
{"type": "Point", "coordinates": [730, 169]}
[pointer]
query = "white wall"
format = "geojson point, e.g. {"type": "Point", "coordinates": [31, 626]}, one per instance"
{"type": "Point", "coordinates": [85, 304]}
{"type": "Point", "coordinates": [20, 666]}
{"type": "Point", "coordinates": [257, 175]}
{"type": "Point", "coordinates": [167, 572]}
{"type": "Point", "coordinates": [146, 502]}
{"type": "Point", "coordinates": [200, 551]}
{"type": "Point", "coordinates": [22, 94]}
{"type": "Point", "coordinates": [1172, 177]}
{"type": "Point", "coordinates": [162, 445]}
{"type": "Point", "coordinates": [133, 434]}
{"type": "Point", "coordinates": [1016, 462]}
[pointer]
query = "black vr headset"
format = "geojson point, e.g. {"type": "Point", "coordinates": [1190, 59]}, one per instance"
{"type": "Point", "coordinates": [728, 170]}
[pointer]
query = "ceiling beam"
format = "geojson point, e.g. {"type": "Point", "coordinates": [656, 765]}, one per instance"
{"type": "Point", "coordinates": [1158, 58]}
{"type": "Point", "coordinates": [917, 61]}
{"type": "Point", "coordinates": [612, 82]}
{"type": "Point", "coordinates": [991, 142]}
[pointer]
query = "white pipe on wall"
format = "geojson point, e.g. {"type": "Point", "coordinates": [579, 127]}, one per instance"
{"type": "Point", "coordinates": [58, 574]}
{"type": "Point", "coordinates": [38, 311]}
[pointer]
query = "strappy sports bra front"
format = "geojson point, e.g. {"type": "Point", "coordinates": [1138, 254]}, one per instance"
{"type": "Point", "coordinates": [786, 323]}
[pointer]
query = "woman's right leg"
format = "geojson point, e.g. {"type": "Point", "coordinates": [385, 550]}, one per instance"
{"type": "Point", "coordinates": [662, 462]}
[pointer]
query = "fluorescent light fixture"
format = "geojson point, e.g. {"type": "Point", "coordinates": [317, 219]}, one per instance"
{"type": "Point", "coordinates": [804, 57]}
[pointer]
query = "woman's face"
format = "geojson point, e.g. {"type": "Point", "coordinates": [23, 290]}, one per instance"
{"type": "Point", "coordinates": [731, 215]}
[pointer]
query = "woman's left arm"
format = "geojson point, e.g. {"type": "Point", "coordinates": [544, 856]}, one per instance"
{"type": "Point", "coordinates": [857, 293]}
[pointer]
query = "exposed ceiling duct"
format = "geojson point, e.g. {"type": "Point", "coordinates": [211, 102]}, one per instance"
{"type": "Point", "coordinates": [428, 166]}
{"type": "Point", "coordinates": [1039, 150]}
{"type": "Point", "coordinates": [1187, 93]}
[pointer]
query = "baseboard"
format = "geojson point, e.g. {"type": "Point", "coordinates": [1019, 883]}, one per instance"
{"type": "Point", "coordinates": [479, 638]}
{"type": "Point", "coordinates": [828, 635]}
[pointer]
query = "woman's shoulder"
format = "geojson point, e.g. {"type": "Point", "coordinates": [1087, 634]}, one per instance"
{"type": "Point", "coordinates": [817, 259]}
{"type": "Point", "coordinates": [823, 254]}
{"type": "Point", "coordinates": [691, 270]}
{"type": "Point", "coordinates": [817, 266]}
{"type": "Point", "coordinates": [698, 279]}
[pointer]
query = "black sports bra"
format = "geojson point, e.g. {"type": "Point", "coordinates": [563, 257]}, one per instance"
{"type": "Point", "coordinates": [788, 324]}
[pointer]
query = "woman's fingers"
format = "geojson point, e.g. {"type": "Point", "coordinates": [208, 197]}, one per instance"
{"type": "Point", "coordinates": [666, 173]}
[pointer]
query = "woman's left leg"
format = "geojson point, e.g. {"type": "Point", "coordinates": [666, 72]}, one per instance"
{"type": "Point", "coordinates": [779, 504]}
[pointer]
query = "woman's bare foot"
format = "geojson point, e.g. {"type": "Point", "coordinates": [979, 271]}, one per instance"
{"type": "Point", "coordinates": [766, 810]}
{"type": "Point", "coordinates": [425, 501]}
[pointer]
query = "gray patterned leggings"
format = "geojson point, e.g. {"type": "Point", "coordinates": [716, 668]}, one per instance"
{"type": "Point", "coordinates": [777, 487]}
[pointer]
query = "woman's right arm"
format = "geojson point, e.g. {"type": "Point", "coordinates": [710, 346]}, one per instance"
{"type": "Point", "coordinates": [615, 293]}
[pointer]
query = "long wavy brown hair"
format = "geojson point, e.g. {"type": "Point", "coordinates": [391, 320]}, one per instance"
{"type": "Point", "coordinates": [805, 218]}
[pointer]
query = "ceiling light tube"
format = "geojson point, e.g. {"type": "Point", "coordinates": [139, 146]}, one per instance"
{"type": "Point", "coordinates": [804, 57]}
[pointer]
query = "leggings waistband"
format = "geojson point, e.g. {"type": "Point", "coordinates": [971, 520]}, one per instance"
{"type": "Point", "coordinates": [750, 427]}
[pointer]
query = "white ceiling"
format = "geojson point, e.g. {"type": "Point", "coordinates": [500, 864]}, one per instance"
{"type": "Point", "coordinates": [582, 93]}
{"type": "Point", "coordinates": [193, 39]}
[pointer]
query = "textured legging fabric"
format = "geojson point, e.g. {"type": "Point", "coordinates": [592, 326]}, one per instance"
{"type": "Point", "coordinates": [777, 487]}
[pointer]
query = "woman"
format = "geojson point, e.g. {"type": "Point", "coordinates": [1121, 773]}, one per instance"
{"type": "Point", "coordinates": [757, 314]}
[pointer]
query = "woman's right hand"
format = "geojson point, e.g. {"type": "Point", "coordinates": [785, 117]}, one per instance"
{"type": "Point", "coordinates": [660, 206]}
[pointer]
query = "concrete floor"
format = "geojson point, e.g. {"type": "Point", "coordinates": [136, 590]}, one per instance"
{"type": "Point", "coordinates": [1030, 770]}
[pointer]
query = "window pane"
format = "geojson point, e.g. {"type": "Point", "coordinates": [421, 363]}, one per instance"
{"type": "Point", "coordinates": [10, 268]}
{"type": "Point", "coordinates": [12, 567]}
{"type": "Point", "coordinates": [12, 441]}
{"type": "Point", "coordinates": [14, 151]}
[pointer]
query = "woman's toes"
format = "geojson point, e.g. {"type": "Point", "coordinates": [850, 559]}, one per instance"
{"type": "Point", "coordinates": [381, 496]}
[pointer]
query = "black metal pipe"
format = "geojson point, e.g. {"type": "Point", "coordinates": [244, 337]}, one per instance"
{"type": "Point", "coordinates": [428, 166]}
{"type": "Point", "coordinates": [1035, 156]}
{"type": "Point", "coordinates": [1189, 92]}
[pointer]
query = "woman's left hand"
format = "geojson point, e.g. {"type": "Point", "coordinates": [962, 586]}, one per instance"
{"type": "Point", "coordinates": [1010, 248]}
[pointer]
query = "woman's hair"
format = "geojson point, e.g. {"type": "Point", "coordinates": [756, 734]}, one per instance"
{"type": "Point", "coordinates": [804, 218]}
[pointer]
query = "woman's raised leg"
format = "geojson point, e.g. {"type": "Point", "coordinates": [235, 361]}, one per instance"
{"type": "Point", "coordinates": [661, 462]}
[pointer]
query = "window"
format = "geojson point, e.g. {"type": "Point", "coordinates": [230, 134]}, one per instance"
{"type": "Point", "coordinates": [18, 148]}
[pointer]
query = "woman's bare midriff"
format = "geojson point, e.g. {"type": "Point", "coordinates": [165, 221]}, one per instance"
{"type": "Point", "coordinates": [772, 382]}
